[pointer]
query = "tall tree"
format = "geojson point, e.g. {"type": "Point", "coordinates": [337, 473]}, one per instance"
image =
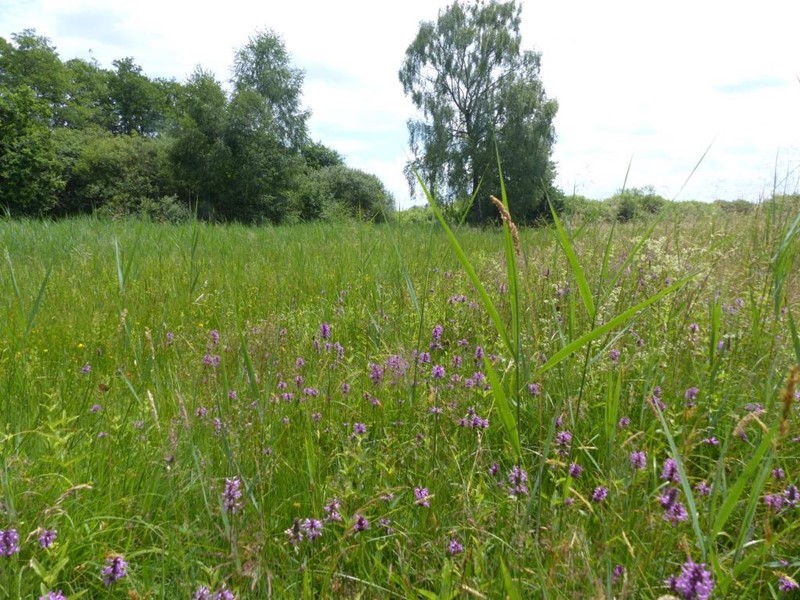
{"type": "Point", "coordinates": [263, 65]}
{"type": "Point", "coordinates": [137, 102]}
{"type": "Point", "coordinates": [475, 88]}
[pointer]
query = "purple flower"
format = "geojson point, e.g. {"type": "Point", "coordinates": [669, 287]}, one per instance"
{"type": "Point", "coordinates": [86, 369]}
{"type": "Point", "coordinates": [711, 441]}
{"type": "Point", "coordinates": [694, 582]}
{"type": "Point", "coordinates": [360, 524]}
{"type": "Point", "coordinates": [295, 533]}
{"type": "Point", "coordinates": [703, 489]}
{"type": "Point", "coordinates": [345, 388]}
{"type": "Point", "coordinates": [619, 571]}
{"type": "Point", "coordinates": [676, 513]}
{"type": "Point", "coordinates": [332, 510]}
{"type": "Point", "coordinates": [224, 594]}
{"type": "Point", "coordinates": [170, 338]}
{"type": "Point", "coordinates": [575, 470]}
{"type": "Point", "coordinates": [670, 471]}
{"type": "Point", "coordinates": [375, 373]}
{"type": "Point", "coordinates": [639, 460]}
{"type": "Point", "coordinates": [47, 537]}
{"type": "Point", "coordinates": [787, 584]}
{"type": "Point", "coordinates": [359, 429]}
{"type": "Point", "coordinates": [791, 496]}
{"type": "Point", "coordinates": [774, 501]}
{"type": "Point", "coordinates": [690, 395]}
{"type": "Point", "coordinates": [9, 542]}
{"type": "Point", "coordinates": [211, 360]}
{"type": "Point", "coordinates": [534, 389]}
{"type": "Point", "coordinates": [96, 408]}
{"type": "Point", "coordinates": [436, 335]}
{"type": "Point", "coordinates": [599, 494]}
{"type": "Point", "coordinates": [437, 372]}
{"type": "Point", "coordinates": [613, 355]}
{"type": "Point", "coordinates": [778, 473]}
{"type": "Point", "coordinates": [202, 593]}
{"type": "Point", "coordinates": [116, 568]}
{"type": "Point", "coordinates": [422, 497]}
{"type": "Point", "coordinates": [563, 441]}
{"type": "Point", "coordinates": [624, 422]}
{"type": "Point", "coordinates": [57, 595]}
{"type": "Point", "coordinates": [313, 528]}
{"type": "Point", "coordinates": [518, 478]}
{"type": "Point", "coordinates": [454, 547]}
{"type": "Point", "coordinates": [214, 335]}
{"type": "Point", "coordinates": [231, 495]}
{"type": "Point", "coordinates": [325, 331]}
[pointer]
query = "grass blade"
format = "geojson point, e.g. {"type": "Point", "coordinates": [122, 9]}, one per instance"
{"type": "Point", "coordinates": [503, 408]}
{"type": "Point", "coordinates": [617, 321]}
{"type": "Point", "coordinates": [577, 271]}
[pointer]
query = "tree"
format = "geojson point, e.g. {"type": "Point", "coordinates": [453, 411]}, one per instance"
{"type": "Point", "coordinates": [263, 66]}
{"type": "Point", "coordinates": [31, 61]}
{"type": "Point", "coordinates": [477, 90]}
{"type": "Point", "coordinates": [29, 171]}
{"type": "Point", "coordinates": [137, 102]}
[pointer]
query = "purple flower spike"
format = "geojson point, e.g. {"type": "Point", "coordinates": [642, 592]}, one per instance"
{"type": "Point", "coordinates": [454, 547]}
{"type": "Point", "coordinates": [231, 495]}
{"type": "Point", "coordinates": [47, 537]}
{"type": "Point", "coordinates": [694, 582]}
{"type": "Point", "coordinates": [9, 542]}
{"type": "Point", "coordinates": [116, 568]}
{"type": "Point", "coordinates": [600, 494]}
{"type": "Point", "coordinates": [422, 497]}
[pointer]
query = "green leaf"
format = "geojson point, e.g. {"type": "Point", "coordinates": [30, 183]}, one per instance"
{"type": "Point", "coordinates": [508, 582]}
{"type": "Point", "coordinates": [577, 271]}
{"type": "Point", "coordinates": [503, 408]}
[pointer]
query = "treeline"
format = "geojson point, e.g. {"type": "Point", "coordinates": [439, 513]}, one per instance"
{"type": "Point", "coordinates": [78, 138]}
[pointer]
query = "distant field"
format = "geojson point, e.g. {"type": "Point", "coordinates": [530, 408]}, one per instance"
{"type": "Point", "coordinates": [334, 411]}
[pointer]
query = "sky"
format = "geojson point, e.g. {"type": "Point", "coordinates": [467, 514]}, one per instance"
{"type": "Point", "coordinates": [644, 88]}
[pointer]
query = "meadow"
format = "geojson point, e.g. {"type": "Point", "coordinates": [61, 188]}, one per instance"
{"type": "Point", "coordinates": [378, 411]}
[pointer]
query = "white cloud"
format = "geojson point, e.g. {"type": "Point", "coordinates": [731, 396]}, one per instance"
{"type": "Point", "coordinates": [654, 81]}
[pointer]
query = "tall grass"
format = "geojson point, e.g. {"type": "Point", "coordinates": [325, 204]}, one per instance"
{"type": "Point", "coordinates": [430, 387]}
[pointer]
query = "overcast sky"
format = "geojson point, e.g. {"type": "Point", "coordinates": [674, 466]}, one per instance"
{"type": "Point", "coordinates": [651, 82]}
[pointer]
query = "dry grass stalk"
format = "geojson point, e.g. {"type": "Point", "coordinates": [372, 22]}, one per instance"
{"type": "Point", "coordinates": [506, 216]}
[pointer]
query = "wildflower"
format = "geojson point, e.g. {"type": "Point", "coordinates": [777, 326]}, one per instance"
{"type": "Point", "coordinates": [294, 533]}
{"type": "Point", "coordinates": [211, 360]}
{"type": "Point", "coordinates": [86, 369]}
{"type": "Point", "coordinates": [478, 353]}
{"type": "Point", "coordinates": [613, 356]}
{"type": "Point", "coordinates": [787, 584]}
{"type": "Point", "coordinates": [313, 528]}
{"type": "Point", "coordinates": [360, 524]}
{"type": "Point", "coordinates": [711, 441]}
{"type": "Point", "coordinates": [224, 594]}
{"type": "Point", "coordinates": [534, 389]}
{"type": "Point", "coordinates": [494, 469]}
{"type": "Point", "coordinates": [299, 362]}
{"type": "Point", "coordinates": [422, 497]}
{"type": "Point", "coordinates": [639, 460]}
{"type": "Point", "coordinates": [778, 473]}
{"type": "Point", "coordinates": [518, 478]}
{"type": "Point", "coordinates": [563, 442]}
{"type": "Point", "coordinates": [9, 542]}
{"type": "Point", "coordinates": [437, 372]}
{"type": "Point", "coordinates": [116, 568]}
{"type": "Point", "coordinates": [232, 395]}
{"type": "Point", "coordinates": [170, 338]}
{"type": "Point", "coordinates": [619, 571]}
{"type": "Point", "coordinates": [694, 582]}
{"type": "Point", "coordinates": [202, 593]}
{"type": "Point", "coordinates": [575, 470]}
{"type": "Point", "coordinates": [690, 395]}
{"type": "Point", "coordinates": [670, 471]}
{"type": "Point", "coordinates": [791, 496]}
{"type": "Point", "coordinates": [345, 388]}
{"type": "Point", "coordinates": [436, 410]}
{"type": "Point", "coordinates": [774, 501]}
{"type": "Point", "coordinates": [214, 335]}
{"type": "Point", "coordinates": [325, 331]}
{"type": "Point", "coordinates": [231, 495]}
{"type": "Point", "coordinates": [57, 595]}
{"type": "Point", "coordinates": [454, 547]}
{"type": "Point", "coordinates": [332, 510]}
{"type": "Point", "coordinates": [676, 513]}
{"type": "Point", "coordinates": [599, 494]}
{"type": "Point", "coordinates": [47, 537]}
{"type": "Point", "coordinates": [694, 328]}
{"type": "Point", "coordinates": [96, 408]}
{"type": "Point", "coordinates": [703, 489]}
{"type": "Point", "coordinates": [375, 373]}
{"type": "Point", "coordinates": [623, 422]}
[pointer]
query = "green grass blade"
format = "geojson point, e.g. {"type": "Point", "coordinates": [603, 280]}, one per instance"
{"type": "Point", "coordinates": [486, 302]}
{"type": "Point", "coordinates": [685, 485]}
{"type": "Point", "coordinates": [617, 321]}
{"type": "Point", "coordinates": [503, 408]}
{"type": "Point", "coordinates": [511, 587]}
{"type": "Point", "coordinates": [745, 479]}
{"type": "Point", "coordinates": [37, 304]}
{"type": "Point", "coordinates": [577, 271]}
{"type": "Point", "coordinates": [795, 337]}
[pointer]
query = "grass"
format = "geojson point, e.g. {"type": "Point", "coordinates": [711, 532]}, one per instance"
{"type": "Point", "coordinates": [144, 365]}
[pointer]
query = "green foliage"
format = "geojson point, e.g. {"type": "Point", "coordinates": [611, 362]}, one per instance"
{"type": "Point", "coordinates": [337, 191]}
{"type": "Point", "coordinates": [477, 90]}
{"type": "Point", "coordinates": [29, 173]}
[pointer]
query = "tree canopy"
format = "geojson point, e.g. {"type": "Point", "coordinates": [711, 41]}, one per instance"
{"type": "Point", "coordinates": [76, 137]}
{"type": "Point", "coordinates": [475, 90]}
